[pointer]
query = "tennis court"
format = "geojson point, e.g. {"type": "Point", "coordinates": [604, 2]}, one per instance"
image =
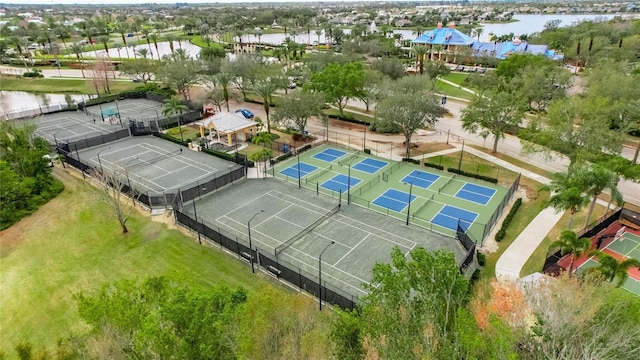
{"type": "Point", "coordinates": [329, 155]}
{"type": "Point", "coordinates": [294, 225]}
{"type": "Point", "coordinates": [300, 170]}
{"type": "Point", "coordinates": [439, 201]}
{"type": "Point", "coordinates": [138, 109]}
{"type": "Point", "coordinates": [147, 163]}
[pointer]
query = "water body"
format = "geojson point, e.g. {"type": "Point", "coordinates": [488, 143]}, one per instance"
{"type": "Point", "coordinates": [163, 48]}
{"type": "Point", "coordinates": [15, 101]}
{"type": "Point", "coordinates": [529, 24]}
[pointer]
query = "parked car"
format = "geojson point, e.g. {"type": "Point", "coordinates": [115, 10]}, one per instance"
{"type": "Point", "coordinates": [292, 85]}
{"type": "Point", "coordinates": [246, 113]}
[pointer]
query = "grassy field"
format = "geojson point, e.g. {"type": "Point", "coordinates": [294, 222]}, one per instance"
{"type": "Point", "coordinates": [457, 78]}
{"type": "Point", "coordinates": [74, 244]}
{"type": "Point", "coordinates": [65, 86]}
{"type": "Point", "coordinates": [474, 164]}
{"type": "Point", "coordinates": [451, 90]}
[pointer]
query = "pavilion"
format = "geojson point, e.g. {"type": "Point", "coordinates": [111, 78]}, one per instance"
{"type": "Point", "coordinates": [235, 126]}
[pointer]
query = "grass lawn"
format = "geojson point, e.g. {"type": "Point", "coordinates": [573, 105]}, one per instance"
{"type": "Point", "coordinates": [364, 119]}
{"type": "Point", "coordinates": [70, 86]}
{"type": "Point", "coordinates": [74, 244]}
{"type": "Point", "coordinates": [457, 78]}
{"type": "Point", "coordinates": [426, 148]}
{"type": "Point", "coordinates": [451, 90]}
{"type": "Point", "coordinates": [517, 162]}
{"type": "Point", "coordinates": [475, 165]}
{"type": "Point", "coordinates": [536, 261]}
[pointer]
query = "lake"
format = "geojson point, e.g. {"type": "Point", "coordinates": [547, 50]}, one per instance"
{"type": "Point", "coordinates": [15, 102]}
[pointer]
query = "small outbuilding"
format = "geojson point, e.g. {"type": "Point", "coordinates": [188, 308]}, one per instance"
{"type": "Point", "coordinates": [235, 126]}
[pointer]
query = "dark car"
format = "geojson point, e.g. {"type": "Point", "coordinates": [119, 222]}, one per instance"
{"type": "Point", "coordinates": [246, 113]}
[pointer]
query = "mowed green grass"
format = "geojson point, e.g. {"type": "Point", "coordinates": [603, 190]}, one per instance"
{"type": "Point", "coordinates": [450, 90]}
{"type": "Point", "coordinates": [74, 244]}
{"type": "Point", "coordinates": [65, 86]}
{"type": "Point", "coordinates": [456, 78]}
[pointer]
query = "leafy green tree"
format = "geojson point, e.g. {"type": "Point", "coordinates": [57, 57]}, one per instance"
{"type": "Point", "coordinates": [224, 79]}
{"type": "Point", "coordinates": [436, 69]}
{"type": "Point", "coordinates": [409, 113]}
{"type": "Point", "coordinates": [339, 83]}
{"type": "Point", "coordinates": [141, 69]}
{"type": "Point", "coordinates": [245, 68]}
{"type": "Point", "coordinates": [159, 318]}
{"type": "Point", "coordinates": [392, 67]}
{"type": "Point", "coordinates": [373, 87]}
{"type": "Point", "coordinates": [612, 268]}
{"type": "Point", "coordinates": [78, 50]}
{"type": "Point", "coordinates": [515, 64]}
{"type": "Point", "coordinates": [411, 307]}
{"type": "Point", "coordinates": [492, 114]}
{"type": "Point", "coordinates": [179, 72]}
{"type": "Point", "coordinates": [595, 179]}
{"type": "Point", "coordinates": [297, 108]}
{"type": "Point", "coordinates": [570, 243]}
{"type": "Point", "coordinates": [541, 85]}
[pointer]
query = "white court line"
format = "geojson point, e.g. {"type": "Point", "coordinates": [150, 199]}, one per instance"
{"type": "Point", "coordinates": [144, 186]}
{"type": "Point", "coordinates": [254, 231]}
{"type": "Point", "coordinates": [473, 192]}
{"type": "Point", "coordinates": [182, 160]}
{"type": "Point", "coordinates": [285, 220]}
{"type": "Point", "coordinates": [328, 274]}
{"type": "Point", "coordinates": [330, 239]}
{"type": "Point", "coordinates": [274, 215]}
{"type": "Point", "coordinates": [245, 204]}
{"type": "Point", "coordinates": [351, 249]}
{"type": "Point", "coordinates": [377, 230]}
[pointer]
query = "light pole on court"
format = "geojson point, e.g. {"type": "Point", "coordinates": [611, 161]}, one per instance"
{"type": "Point", "coordinates": [100, 162]}
{"type": "Point", "coordinates": [195, 214]}
{"type": "Point", "coordinates": [299, 179]}
{"type": "Point", "coordinates": [320, 273]}
{"type": "Point", "coordinates": [253, 270]}
{"type": "Point", "coordinates": [126, 170]}
{"type": "Point", "coordinates": [409, 201]}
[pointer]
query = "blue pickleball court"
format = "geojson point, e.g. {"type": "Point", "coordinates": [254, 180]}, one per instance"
{"type": "Point", "coordinates": [329, 155]}
{"type": "Point", "coordinates": [450, 216]}
{"type": "Point", "coordinates": [420, 178]}
{"type": "Point", "coordinates": [370, 166]}
{"type": "Point", "coordinates": [340, 183]}
{"type": "Point", "coordinates": [393, 199]}
{"type": "Point", "coordinates": [475, 193]}
{"type": "Point", "coordinates": [292, 171]}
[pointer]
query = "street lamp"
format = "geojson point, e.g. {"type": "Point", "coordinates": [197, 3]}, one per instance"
{"type": "Point", "coordinates": [126, 170]}
{"type": "Point", "coordinates": [100, 162]}
{"type": "Point", "coordinates": [54, 137]}
{"type": "Point", "coordinates": [195, 214]}
{"type": "Point", "coordinates": [349, 186]}
{"type": "Point", "coordinates": [299, 180]}
{"type": "Point", "coordinates": [409, 201]}
{"type": "Point", "coordinates": [320, 273]}
{"type": "Point", "coordinates": [253, 270]}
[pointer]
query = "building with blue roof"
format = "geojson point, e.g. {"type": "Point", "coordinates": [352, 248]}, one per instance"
{"type": "Point", "coordinates": [452, 40]}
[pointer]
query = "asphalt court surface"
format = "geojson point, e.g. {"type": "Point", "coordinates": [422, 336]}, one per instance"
{"type": "Point", "coordinates": [152, 164]}
{"type": "Point", "coordinates": [361, 237]}
{"type": "Point", "coordinates": [75, 125]}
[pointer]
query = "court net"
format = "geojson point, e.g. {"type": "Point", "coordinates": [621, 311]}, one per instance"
{"type": "Point", "coordinates": [349, 158]}
{"type": "Point", "coordinates": [429, 199]}
{"type": "Point", "coordinates": [317, 174]}
{"type": "Point", "coordinates": [146, 162]}
{"type": "Point", "coordinates": [447, 183]}
{"type": "Point", "coordinates": [386, 173]}
{"type": "Point", "coordinates": [306, 230]}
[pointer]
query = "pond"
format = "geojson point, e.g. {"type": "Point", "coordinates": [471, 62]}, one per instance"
{"type": "Point", "coordinates": [13, 103]}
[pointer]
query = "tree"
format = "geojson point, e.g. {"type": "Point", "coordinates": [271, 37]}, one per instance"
{"type": "Point", "coordinates": [569, 243]}
{"type": "Point", "coordinates": [436, 69]}
{"type": "Point", "coordinates": [265, 89]}
{"type": "Point", "coordinates": [571, 130]}
{"type": "Point", "coordinates": [595, 179]}
{"type": "Point", "coordinates": [566, 194]}
{"type": "Point", "coordinates": [411, 307]}
{"type": "Point", "coordinates": [216, 97]}
{"type": "Point", "coordinates": [174, 106]}
{"type": "Point", "coordinates": [541, 85]}
{"type": "Point", "coordinates": [77, 49]}
{"type": "Point", "coordinates": [264, 154]}
{"type": "Point", "coordinates": [104, 40]}
{"type": "Point", "coordinates": [142, 52]}
{"type": "Point", "coordinates": [160, 318]}
{"type": "Point", "coordinates": [493, 114]}
{"type": "Point", "coordinates": [372, 88]}
{"type": "Point", "coordinates": [339, 83]}
{"type": "Point", "coordinates": [111, 189]}
{"type": "Point", "coordinates": [179, 72]}
{"type": "Point", "coordinates": [392, 67]}
{"type": "Point", "coordinates": [612, 268]}
{"type": "Point", "coordinates": [420, 52]}
{"type": "Point", "coordinates": [122, 30]}
{"type": "Point", "coordinates": [409, 112]}
{"type": "Point", "coordinates": [224, 79]}
{"type": "Point", "coordinates": [171, 39]}
{"type": "Point", "coordinates": [142, 69]}
{"type": "Point", "coordinates": [245, 70]}
{"type": "Point", "coordinates": [154, 37]}
{"type": "Point", "coordinates": [297, 108]}
{"type": "Point", "coordinates": [478, 32]}
{"type": "Point", "coordinates": [101, 69]}
{"type": "Point", "coordinates": [515, 64]}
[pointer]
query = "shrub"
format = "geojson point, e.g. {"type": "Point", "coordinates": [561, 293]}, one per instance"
{"type": "Point", "coordinates": [304, 148]}
{"type": "Point", "coordinates": [482, 259]}
{"type": "Point", "coordinates": [367, 151]}
{"type": "Point", "coordinates": [507, 220]}
{"type": "Point", "coordinates": [282, 157]}
{"type": "Point", "coordinates": [34, 73]}
{"type": "Point", "coordinates": [410, 160]}
{"type": "Point", "coordinates": [435, 166]}
{"type": "Point", "coordinates": [472, 175]}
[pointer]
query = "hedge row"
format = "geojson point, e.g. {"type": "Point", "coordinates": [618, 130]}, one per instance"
{"type": "Point", "coordinates": [435, 166]}
{"type": "Point", "coordinates": [410, 160]}
{"type": "Point", "coordinates": [238, 159]}
{"type": "Point", "coordinates": [472, 175]}
{"type": "Point", "coordinates": [507, 220]}
{"type": "Point", "coordinates": [282, 157]}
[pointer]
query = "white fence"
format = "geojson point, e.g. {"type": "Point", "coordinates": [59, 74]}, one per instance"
{"type": "Point", "coordinates": [34, 111]}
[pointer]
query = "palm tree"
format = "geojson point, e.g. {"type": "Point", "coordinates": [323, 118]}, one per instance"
{"type": "Point", "coordinates": [278, 53]}
{"type": "Point", "coordinates": [132, 45]}
{"type": "Point", "coordinates": [154, 38]}
{"type": "Point", "coordinates": [143, 52]}
{"type": "Point", "coordinates": [318, 34]}
{"type": "Point", "coordinates": [224, 79]}
{"type": "Point", "coordinates": [570, 243]}
{"type": "Point", "coordinates": [611, 268]}
{"type": "Point", "coordinates": [566, 195]}
{"type": "Point", "coordinates": [173, 106]}
{"type": "Point", "coordinates": [146, 31]}
{"type": "Point", "coordinates": [104, 40]}
{"type": "Point", "coordinates": [266, 140]}
{"type": "Point", "coordinates": [595, 179]}
{"type": "Point", "coordinates": [121, 29]}
{"type": "Point", "coordinates": [118, 47]}
{"type": "Point", "coordinates": [19, 43]}
{"type": "Point", "coordinates": [420, 51]}
{"type": "Point", "coordinates": [418, 31]}
{"type": "Point", "coordinates": [624, 169]}
{"type": "Point", "coordinates": [308, 27]}
{"type": "Point", "coordinates": [265, 89]}
{"type": "Point", "coordinates": [77, 49]}
{"type": "Point", "coordinates": [170, 38]}
{"type": "Point", "coordinates": [438, 49]}
{"type": "Point", "coordinates": [238, 34]}
{"type": "Point", "coordinates": [288, 44]}
{"type": "Point", "coordinates": [478, 32]}
{"type": "Point", "coordinates": [258, 34]}
{"type": "Point", "coordinates": [62, 32]}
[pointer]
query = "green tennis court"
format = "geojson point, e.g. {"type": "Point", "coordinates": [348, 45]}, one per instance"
{"type": "Point", "coordinates": [627, 245]}
{"type": "Point", "coordinates": [631, 284]}
{"type": "Point", "coordinates": [433, 199]}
